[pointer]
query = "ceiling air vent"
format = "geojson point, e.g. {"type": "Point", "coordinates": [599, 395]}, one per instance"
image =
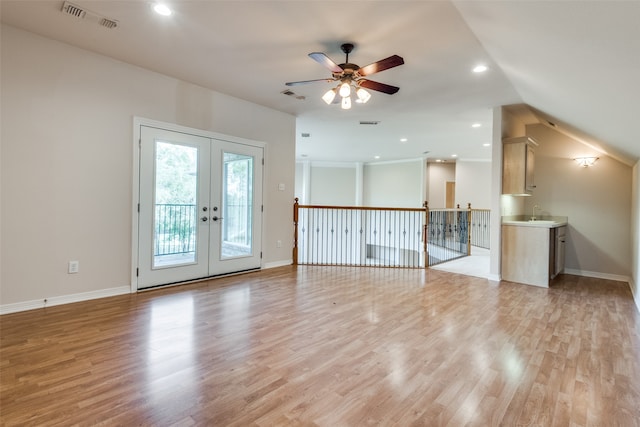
{"type": "Point", "coordinates": [108, 23]}
{"type": "Point", "coordinates": [69, 8]}
{"type": "Point", "coordinates": [305, 134]}
{"type": "Point", "coordinates": [369, 122]}
{"type": "Point", "coordinates": [73, 10]}
{"type": "Point", "coordinates": [293, 94]}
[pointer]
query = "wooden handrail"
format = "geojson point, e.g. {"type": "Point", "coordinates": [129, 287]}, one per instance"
{"type": "Point", "coordinates": [359, 208]}
{"type": "Point", "coordinates": [299, 216]}
{"type": "Point", "coordinates": [425, 234]}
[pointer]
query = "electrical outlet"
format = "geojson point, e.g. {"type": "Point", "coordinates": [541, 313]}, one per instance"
{"type": "Point", "coordinates": [279, 244]}
{"type": "Point", "coordinates": [74, 267]}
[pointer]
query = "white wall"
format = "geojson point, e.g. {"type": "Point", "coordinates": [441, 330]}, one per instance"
{"type": "Point", "coordinates": [473, 184]}
{"type": "Point", "coordinates": [635, 234]}
{"type": "Point", "coordinates": [67, 130]}
{"type": "Point", "coordinates": [393, 184]}
{"type": "Point", "coordinates": [439, 174]}
{"type": "Point", "coordinates": [333, 185]}
{"type": "Point", "coordinates": [388, 184]}
{"type": "Point", "coordinates": [597, 201]}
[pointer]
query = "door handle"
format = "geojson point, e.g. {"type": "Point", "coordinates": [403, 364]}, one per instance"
{"type": "Point", "coordinates": [215, 218]}
{"type": "Point", "coordinates": [204, 219]}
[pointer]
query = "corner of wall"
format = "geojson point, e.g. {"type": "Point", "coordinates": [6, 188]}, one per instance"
{"type": "Point", "coordinates": [634, 281]}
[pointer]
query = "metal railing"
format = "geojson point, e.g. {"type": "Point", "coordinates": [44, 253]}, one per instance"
{"type": "Point", "coordinates": [448, 234]}
{"type": "Point", "coordinates": [359, 236]}
{"type": "Point", "coordinates": [480, 228]}
{"type": "Point", "coordinates": [387, 237]}
{"type": "Point", "coordinates": [452, 232]}
{"type": "Point", "coordinates": [175, 226]}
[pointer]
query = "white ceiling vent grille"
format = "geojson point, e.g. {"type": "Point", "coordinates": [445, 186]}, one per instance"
{"type": "Point", "coordinates": [69, 8]}
{"type": "Point", "coordinates": [108, 23]}
{"type": "Point", "coordinates": [73, 10]}
{"type": "Point", "coordinates": [369, 122]}
{"type": "Point", "coordinates": [293, 94]}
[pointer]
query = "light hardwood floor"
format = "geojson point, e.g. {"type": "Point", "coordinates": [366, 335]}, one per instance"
{"type": "Point", "coordinates": [330, 347]}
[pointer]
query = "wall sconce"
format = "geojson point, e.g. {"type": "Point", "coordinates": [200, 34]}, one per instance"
{"type": "Point", "coordinates": [586, 161]}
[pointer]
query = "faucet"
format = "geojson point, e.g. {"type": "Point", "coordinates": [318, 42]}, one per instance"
{"type": "Point", "coordinates": [533, 217]}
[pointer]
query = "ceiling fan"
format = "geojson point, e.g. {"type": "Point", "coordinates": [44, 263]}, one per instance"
{"type": "Point", "coordinates": [351, 76]}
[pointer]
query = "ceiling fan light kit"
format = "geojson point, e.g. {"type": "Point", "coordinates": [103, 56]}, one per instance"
{"type": "Point", "coordinates": [329, 96]}
{"type": "Point", "coordinates": [351, 77]}
{"type": "Point", "coordinates": [363, 95]}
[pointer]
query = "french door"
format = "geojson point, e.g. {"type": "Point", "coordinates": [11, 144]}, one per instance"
{"type": "Point", "coordinates": [200, 207]}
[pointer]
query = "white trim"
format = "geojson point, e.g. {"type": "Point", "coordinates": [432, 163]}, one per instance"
{"type": "Point", "coordinates": [494, 277]}
{"type": "Point", "coordinates": [474, 160]}
{"type": "Point", "coordinates": [636, 298]}
{"type": "Point", "coordinates": [138, 122]}
{"type": "Point", "coordinates": [597, 275]}
{"type": "Point", "coordinates": [389, 162]}
{"type": "Point", "coordinates": [141, 121]}
{"type": "Point", "coordinates": [275, 264]}
{"type": "Point", "coordinates": [64, 299]}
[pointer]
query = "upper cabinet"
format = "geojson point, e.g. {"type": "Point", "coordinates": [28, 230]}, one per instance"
{"type": "Point", "coordinates": [518, 164]}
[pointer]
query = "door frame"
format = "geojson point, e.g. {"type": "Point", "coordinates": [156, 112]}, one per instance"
{"type": "Point", "coordinates": [135, 196]}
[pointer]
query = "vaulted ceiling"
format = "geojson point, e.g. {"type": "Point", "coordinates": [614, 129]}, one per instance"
{"type": "Point", "coordinates": [574, 63]}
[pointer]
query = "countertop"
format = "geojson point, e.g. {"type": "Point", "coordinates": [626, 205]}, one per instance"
{"type": "Point", "coordinates": [541, 222]}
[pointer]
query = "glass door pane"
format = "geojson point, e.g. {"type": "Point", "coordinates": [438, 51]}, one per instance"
{"type": "Point", "coordinates": [237, 205]}
{"type": "Point", "coordinates": [175, 213]}
{"type": "Point", "coordinates": [173, 218]}
{"type": "Point", "coordinates": [236, 201]}
{"type": "Point", "coordinates": [200, 207]}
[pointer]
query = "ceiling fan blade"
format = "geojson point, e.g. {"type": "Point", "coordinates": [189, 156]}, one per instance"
{"type": "Point", "coordinates": [303, 82]}
{"type": "Point", "coordinates": [380, 87]}
{"type": "Point", "coordinates": [324, 60]}
{"type": "Point", "coordinates": [383, 64]}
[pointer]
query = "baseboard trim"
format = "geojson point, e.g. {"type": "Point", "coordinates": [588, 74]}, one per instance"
{"type": "Point", "coordinates": [595, 274]}
{"type": "Point", "coordinates": [636, 297]}
{"type": "Point", "coordinates": [276, 264]}
{"type": "Point", "coordinates": [64, 299]}
{"type": "Point", "coordinates": [494, 277]}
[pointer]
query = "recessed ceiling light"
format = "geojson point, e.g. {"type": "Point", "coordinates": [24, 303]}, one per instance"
{"type": "Point", "coordinates": [403, 139]}
{"type": "Point", "coordinates": [486, 144]}
{"type": "Point", "coordinates": [376, 157]}
{"type": "Point", "coordinates": [162, 9]}
{"type": "Point", "coordinates": [480, 68]}
{"type": "Point", "coordinates": [454, 155]}
{"type": "Point", "coordinates": [439, 161]}
{"type": "Point", "coordinates": [476, 125]}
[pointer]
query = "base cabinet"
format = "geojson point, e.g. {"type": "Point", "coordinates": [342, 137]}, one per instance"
{"type": "Point", "coordinates": [532, 255]}
{"type": "Point", "coordinates": [557, 250]}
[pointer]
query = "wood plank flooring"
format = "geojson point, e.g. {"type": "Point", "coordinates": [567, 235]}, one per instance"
{"type": "Point", "coordinates": [330, 346]}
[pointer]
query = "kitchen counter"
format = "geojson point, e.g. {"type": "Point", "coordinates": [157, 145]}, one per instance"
{"type": "Point", "coordinates": [543, 221]}
{"type": "Point", "coordinates": [533, 251]}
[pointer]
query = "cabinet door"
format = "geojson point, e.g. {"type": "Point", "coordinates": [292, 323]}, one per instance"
{"type": "Point", "coordinates": [560, 250]}
{"type": "Point", "coordinates": [530, 162]}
